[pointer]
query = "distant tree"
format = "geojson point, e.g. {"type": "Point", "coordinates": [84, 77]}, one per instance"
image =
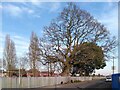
{"type": "Point", "coordinates": [1, 63]}
{"type": "Point", "coordinates": [34, 52]}
{"type": "Point", "coordinates": [9, 55]}
{"type": "Point", "coordinates": [88, 57]}
{"type": "Point", "coordinates": [70, 29]}
{"type": "Point", "coordinates": [24, 61]}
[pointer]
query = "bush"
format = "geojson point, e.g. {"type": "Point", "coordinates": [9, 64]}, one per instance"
{"type": "Point", "coordinates": [77, 81]}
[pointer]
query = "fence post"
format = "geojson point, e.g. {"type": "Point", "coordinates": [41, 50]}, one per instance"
{"type": "Point", "coordinates": [0, 83]}
{"type": "Point", "coordinates": [16, 81]}
{"type": "Point", "coordinates": [28, 82]}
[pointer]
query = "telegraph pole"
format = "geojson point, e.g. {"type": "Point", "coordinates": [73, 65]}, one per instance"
{"type": "Point", "coordinates": [19, 74]}
{"type": "Point", "coordinates": [113, 68]}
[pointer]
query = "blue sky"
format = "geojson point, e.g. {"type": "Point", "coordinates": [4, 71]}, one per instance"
{"type": "Point", "coordinates": [19, 19]}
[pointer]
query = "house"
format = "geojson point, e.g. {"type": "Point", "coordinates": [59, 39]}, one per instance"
{"type": "Point", "coordinates": [16, 73]}
{"type": "Point", "coordinates": [11, 73]}
{"type": "Point", "coordinates": [24, 73]}
{"type": "Point", "coordinates": [41, 74]}
{"type": "Point", "coordinates": [31, 73]}
{"type": "Point", "coordinates": [48, 74]}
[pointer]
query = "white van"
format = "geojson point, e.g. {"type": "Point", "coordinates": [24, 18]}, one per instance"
{"type": "Point", "coordinates": [108, 79]}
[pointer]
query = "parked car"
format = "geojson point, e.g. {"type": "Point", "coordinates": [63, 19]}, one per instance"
{"type": "Point", "coordinates": [108, 79]}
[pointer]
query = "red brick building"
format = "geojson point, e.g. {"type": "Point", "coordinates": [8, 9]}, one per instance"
{"type": "Point", "coordinates": [30, 73]}
{"type": "Point", "coordinates": [41, 74]}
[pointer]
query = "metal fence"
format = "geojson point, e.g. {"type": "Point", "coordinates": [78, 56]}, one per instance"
{"type": "Point", "coordinates": [33, 82]}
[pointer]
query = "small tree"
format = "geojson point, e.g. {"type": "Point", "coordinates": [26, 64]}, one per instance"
{"type": "Point", "coordinates": [88, 57]}
{"type": "Point", "coordinates": [34, 52]}
{"type": "Point", "coordinates": [9, 55]}
{"type": "Point", "coordinates": [1, 63]}
{"type": "Point", "coordinates": [24, 61]}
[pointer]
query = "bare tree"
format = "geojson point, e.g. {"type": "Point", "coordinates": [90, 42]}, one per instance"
{"type": "Point", "coordinates": [34, 52]}
{"type": "Point", "coordinates": [9, 55]}
{"type": "Point", "coordinates": [70, 29]}
{"type": "Point", "coordinates": [24, 61]}
{"type": "Point", "coordinates": [1, 63]}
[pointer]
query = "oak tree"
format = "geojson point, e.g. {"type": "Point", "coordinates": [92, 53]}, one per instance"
{"type": "Point", "coordinates": [70, 29]}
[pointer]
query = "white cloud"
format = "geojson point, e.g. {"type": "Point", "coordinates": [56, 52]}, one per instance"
{"type": "Point", "coordinates": [21, 44]}
{"type": "Point", "coordinates": [1, 43]}
{"type": "Point", "coordinates": [55, 7]}
{"type": "Point", "coordinates": [35, 2]}
{"type": "Point", "coordinates": [37, 16]}
{"type": "Point", "coordinates": [30, 11]}
{"type": "Point", "coordinates": [13, 10]}
{"type": "Point", "coordinates": [1, 6]}
{"type": "Point", "coordinates": [1, 50]}
{"type": "Point", "coordinates": [18, 11]}
{"type": "Point", "coordinates": [61, 0]}
{"type": "Point", "coordinates": [101, 0]}
{"type": "Point", "coordinates": [17, 37]}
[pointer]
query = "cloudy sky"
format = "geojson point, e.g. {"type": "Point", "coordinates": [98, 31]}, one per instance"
{"type": "Point", "coordinates": [20, 18]}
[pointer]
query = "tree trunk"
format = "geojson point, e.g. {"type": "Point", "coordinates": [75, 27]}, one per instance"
{"type": "Point", "coordinates": [34, 69]}
{"type": "Point", "coordinates": [86, 73]}
{"type": "Point", "coordinates": [66, 70]}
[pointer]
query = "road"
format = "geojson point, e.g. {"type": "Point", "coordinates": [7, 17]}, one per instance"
{"type": "Point", "coordinates": [90, 85]}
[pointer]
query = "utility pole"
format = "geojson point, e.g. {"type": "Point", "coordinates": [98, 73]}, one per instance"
{"type": "Point", "coordinates": [48, 69]}
{"type": "Point", "coordinates": [113, 68]}
{"type": "Point", "coordinates": [19, 74]}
